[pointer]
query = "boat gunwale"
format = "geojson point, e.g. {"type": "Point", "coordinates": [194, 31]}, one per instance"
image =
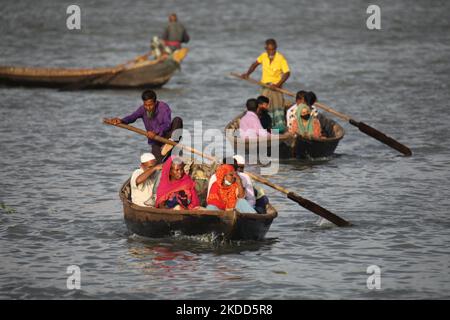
{"type": "Point", "coordinates": [56, 72]}
{"type": "Point", "coordinates": [281, 138]}
{"type": "Point", "coordinates": [199, 213]}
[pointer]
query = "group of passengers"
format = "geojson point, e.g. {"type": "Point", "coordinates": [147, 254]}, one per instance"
{"type": "Point", "coordinates": [168, 185]}
{"type": "Point", "coordinates": [302, 118]}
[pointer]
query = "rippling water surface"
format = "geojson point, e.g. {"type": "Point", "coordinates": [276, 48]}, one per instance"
{"type": "Point", "coordinates": [60, 168]}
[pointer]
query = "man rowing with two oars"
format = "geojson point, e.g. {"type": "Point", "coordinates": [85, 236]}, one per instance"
{"type": "Point", "coordinates": [275, 72]}
{"type": "Point", "coordinates": [156, 116]}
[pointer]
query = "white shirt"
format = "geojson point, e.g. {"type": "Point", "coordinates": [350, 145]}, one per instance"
{"type": "Point", "coordinates": [246, 183]}
{"type": "Point", "coordinates": [144, 191]}
{"type": "Point", "coordinates": [290, 115]}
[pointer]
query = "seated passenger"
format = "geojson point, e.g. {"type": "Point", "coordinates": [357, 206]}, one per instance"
{"type": "Point", "coordinates": [238, 162]}
{"type": "Point", "coordinates": [176, 189]}
{"type": "Point", "coordinates": [263, 113]}
{"type": "Point", "coordinates": [291, 116]}
{"type": "Point", "coordinates": [307, 126]}
{"type": "Point", "coordinates": [250, 126]}
{"type": "Point", "coordinates": [227, 193]}
{"type": "Point", "coordinates": [253, 194]}
{"type": "Point", "coordinates": [310, 99]}
{"type": "Point", "coordinates": [326, 124]}
{"type": "Point", "coordinates": [143, 180]}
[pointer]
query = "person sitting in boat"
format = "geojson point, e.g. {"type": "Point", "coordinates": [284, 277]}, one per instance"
{"type": "Point", "coordinates": [143, 180]}
{"type": "Point", "coordinates": [238, 161]}
{"type": "Point", "coordinates": [228, 193]}
{"type": "Point", "coordinates": [258, 196]}
{"type": "Point", "coordinates": [174, 34]}
{"type": "Point", "coordinates": [310, 99]}
{"type": "Point", "coordinates": [326, 124]}
{"type": "Point", "coordinates": [291, 116]}
{"type": "Point", "coordinates": [176, 189]}
{"type": "Point", "coordinates": [249, 125]}
{"type": "Point", "coordinates": [306, 126]}
{"type": "Point", "coordinates": [156, 116]}
{"type": "Point", "coordinates": [263, 112]}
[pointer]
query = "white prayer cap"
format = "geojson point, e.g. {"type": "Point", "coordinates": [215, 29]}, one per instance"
{"type": "Point", "coordinates": [239, 159]}
{"type": "Point", "coordinates": [146, 157]}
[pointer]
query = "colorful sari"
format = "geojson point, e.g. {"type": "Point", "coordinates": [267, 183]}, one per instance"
{"type": "Point", "coordinates": [223, 197]}
{"type": "Point", "coordinates": [312, 127]}
{"type": "Point", "coordinates": [181, 191]}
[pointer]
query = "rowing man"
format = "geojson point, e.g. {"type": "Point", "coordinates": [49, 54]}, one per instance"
{"type": "Point", "coordinates": [156, 116]}
{"type": "Point", "coordinates": [275, 72]}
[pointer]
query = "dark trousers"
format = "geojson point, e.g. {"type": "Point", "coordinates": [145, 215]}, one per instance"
{"type": "Point", "coordinates": [177, 123]}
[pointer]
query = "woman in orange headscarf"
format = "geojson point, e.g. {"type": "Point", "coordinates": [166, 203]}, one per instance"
{"type": "Point", "coordinates": [227, 193]}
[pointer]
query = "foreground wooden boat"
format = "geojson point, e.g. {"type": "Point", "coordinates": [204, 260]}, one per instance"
{"type": "Point", "coordinates": [149, 73]}
{"type": "Point", "coordinates": [155, 223]}
{"type": "Point", "coordinates": [288, 146]}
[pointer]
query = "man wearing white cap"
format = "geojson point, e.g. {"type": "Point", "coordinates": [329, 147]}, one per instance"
{"type": "Point", "coordinates": [260, 199]}
{"type": "Point", "coordinates": [143, 181]}
{"type": "Point", "coordinates": [239, 162]}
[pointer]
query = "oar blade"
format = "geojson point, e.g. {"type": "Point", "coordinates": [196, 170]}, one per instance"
{"type": "Point", "coordinates": [320, 211]}
{"type": "Point", "coordinates": [380, 136]}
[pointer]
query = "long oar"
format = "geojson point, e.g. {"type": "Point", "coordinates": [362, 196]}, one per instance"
{"type": "Point", "coordinates": [363, 127]}
{"type": "Point", "coordinates": [305, 203]}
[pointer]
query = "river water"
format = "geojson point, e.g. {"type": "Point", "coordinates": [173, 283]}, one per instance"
{"type": "Point", "coordinates": [61, 168]}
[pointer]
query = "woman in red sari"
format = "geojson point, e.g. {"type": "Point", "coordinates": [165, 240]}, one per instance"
{"type": "Point", "coordinates": [176, 189]}
{"type": "Point", "coordinates": [227, 193]}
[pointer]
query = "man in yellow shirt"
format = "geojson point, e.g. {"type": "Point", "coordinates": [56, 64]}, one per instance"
{"type": "Point", "coordinates": [275, 72]}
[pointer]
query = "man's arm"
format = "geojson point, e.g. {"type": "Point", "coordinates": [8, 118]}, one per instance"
{"type": "Point", "coordinates": [128, 119]}
{"type": "Point", "coordinates": [186, 37]}
{"type": "Point", "coordinates": [284, 77]}
{"type": "Point", "coordinates": [250, 70]}
{"type": "Point", "coordinates": [147, 174]}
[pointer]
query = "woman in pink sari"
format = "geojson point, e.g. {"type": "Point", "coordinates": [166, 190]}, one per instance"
{"type": "Point", "coordinates": [176, 189]}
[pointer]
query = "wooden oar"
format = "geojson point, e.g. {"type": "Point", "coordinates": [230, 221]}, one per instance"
{"type": "Point", "coordinates": [305, 203]}
{"type": "Point", "coordinates": [363, 127]}
{"type": "Point", "coordinates": [78, 85]}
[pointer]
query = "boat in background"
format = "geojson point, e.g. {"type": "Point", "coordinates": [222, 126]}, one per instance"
{"type": "Point", "coordinates": [148, 74]}
{"type": "Point", "coordinates": [289, 146]}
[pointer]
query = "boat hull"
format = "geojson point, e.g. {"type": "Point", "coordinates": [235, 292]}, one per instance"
{"type": "Point", "coordinates": [156, 223]}
{"type": "Point", "coordinates": [148, 74]}
{"type": "Point", "coordinates": [285, 146]}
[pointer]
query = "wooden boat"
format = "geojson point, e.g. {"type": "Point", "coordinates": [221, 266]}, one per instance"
{"type": "Point", "coordinates": [155, 223]}
{"type": "Point", "coordinates": [148, 73]}
{"type": "Point", "coordinates": [288, 146]}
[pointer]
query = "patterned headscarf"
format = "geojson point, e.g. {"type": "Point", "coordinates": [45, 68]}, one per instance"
{"type": "Point", "coordinates": [220, 195]}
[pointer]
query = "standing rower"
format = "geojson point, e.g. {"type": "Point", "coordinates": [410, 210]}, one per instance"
{"type": "Point", "coordinates": [275, 72]}
{"type": "Point", "coordinates": [156, 116]}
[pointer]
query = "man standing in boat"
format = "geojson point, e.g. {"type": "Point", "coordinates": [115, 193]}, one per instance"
{"type": "Point", "coordinates": [174, 34]}
{"type": "Point", "coordinates": [275, 72]}
{"type": "Point", "coordinates": [156, 116]}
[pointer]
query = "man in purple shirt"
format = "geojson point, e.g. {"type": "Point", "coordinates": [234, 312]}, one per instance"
{"type": "Point", "coordinates": [156, 116]}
